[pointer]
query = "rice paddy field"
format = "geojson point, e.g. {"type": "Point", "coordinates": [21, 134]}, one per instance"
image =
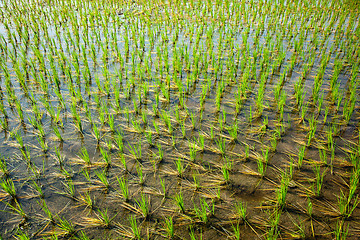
{"type": "Point", "coordinates": [184, 119]}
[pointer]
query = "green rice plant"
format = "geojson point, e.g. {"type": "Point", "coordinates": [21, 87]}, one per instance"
{"type": "Point", "coordinates": [66, 227]}
{"type": "Point", "coordinates": [301, 156]}
{"type": "Point", "coordinates": [169, 227]}
{"type": "Point", "coordinates": [119, 141]}
{"type": "Point", "coordinates": [331, 147]}
{"type": "Point", "coordinates": [59, 157]}
{"type": "Point", "coordinates": [212, 134]}
{"type": "Point", "coordinates": [102, 220]}
{"type": "Point", "coordinates": [192, 234]}
{"type": "Point", "coordinates": [20, 235]}
{"type": "Point", "coordinates": [192, 152]}
{"type": "Point", "coordinates": [225, 173]}
{"type": "Point", "coordinates": [203, 212]}
{"type": "Point", "coordinates": [81, 236]}
{"type": "Point", "coordinates": [102, 175]}
{"type": "Point", "coordinates": [45, 208]}
{"type": "Point", "coordinates": [57, 133]}
{"type": "Point", "coordinates": [281, 192]}
{"type": "Point", "coordinates": [139, 170]}
{"type": "Point", "coordinates": [341, 232]}
{"type": "Point", "coordinates": [106, 157]}
{"type": "Point", "coordinates": [353, 183]}
{"type": "Point", "coordinates": [123, 162]}
{"type": "Point", "coordinates": [273, 230]}
{"type": "Point", "coordinates": [38, 189]}
{"type": "Point", "coordinates": [261, 167]}
{"type": "Point", "coordinates": [19, 140]}
{"type": "Point", "coordinates": [84, 155]}
{"type": "Point", "coordinates": [179, 167]}
{"type": "Point", "coordinates": [265, 155]}
{"type": "Point", "coordinates": [234, 131]}
{"type": "Point", "coordinates": [69, 188]}
{"type": "Point", "coordinates": [179, 200]}
{"type": "Point", "coordinates": [109, 145]}
{"type": "Point", "coordinates": [156, 127]}
{"type": "Point", "coordinates": [143, 206]}
{"type": "Point", "coordinates": [127, 114]}
{"type": "Point", "coordinates": [163, 187]}
{"type": "Point", "coordinates": [240, 210]}
{"type": "Point", "coordinates": [4, 123]}
{"type": "Point", "coordinates": [8, 187]}
{"type": "Point", "coordinates": [274, 141]}
{"type": "Point", "coordinates": [319, 180]}
{"type": "Point", "coordinates": [111, 122]}
{"type": "Point", "coordinates": [201, 142]}
{"type": "Point", "coordinates": [160, 154]}
{"type": "Point", "coordinates": [323, 157]}
{"type": "Point", "coordinates": [96, 132]}
{"type": "Point", "coordinates": [20, 111]}
{"type": "Point", "coordinates": [247, 151]}
{"type": "Point", "coordinates": [65, 173]}
{"type": "Point", "coordinates": [346, 208]}
{"type": "Point", "coordinates": [135, 229]}
{"type": "Point", "coordinates": [3, 167]}
{"type": "Point", "coordinates": [167, 121]}
{"type": "Point", "coordinates": [85, 199]}
{"type": "Point", "coordinates": [236, 231]}
{"type": "Point", "coordinates": [137, 127]}
{"type": "Point", "coordinates": [42, 144]}
{"type": "Point", "coordinates": [149, 139]}
{"type": "Point", "coordinates": [221, 146]}
{"type": "Point", "coordinates": [123, 183]}
{"type": "Point", "coordinates": [135, 151]}
{"type": "Point", "coordinates": [17, 209]}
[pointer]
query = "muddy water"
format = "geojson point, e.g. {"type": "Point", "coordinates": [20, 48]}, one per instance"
{"type": "Point", "coordinates": [111, 84]}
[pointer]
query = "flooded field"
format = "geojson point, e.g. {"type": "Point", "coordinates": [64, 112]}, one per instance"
{"type": "Point", "coordinates": [216, 119]}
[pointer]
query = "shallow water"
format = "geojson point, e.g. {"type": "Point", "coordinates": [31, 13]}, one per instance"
{"type": "Point", "coordinates": [104, 75]}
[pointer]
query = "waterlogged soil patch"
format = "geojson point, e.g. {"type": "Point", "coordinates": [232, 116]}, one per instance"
{"type": "Point", "coordinates": [179, 119]}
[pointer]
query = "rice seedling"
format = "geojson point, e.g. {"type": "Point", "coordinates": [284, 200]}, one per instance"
{"type": "Point", "coordinates": [193, 235]}
{"type": "Point", "coordinates": [204, 212]}
{"type": "Point", "coordinates": [3, 167]}
{"type": "Point", "coordinates": [69, 188]}
{"type": "Point", "coordinates": [66, 228]}
{"type": "Point", "coordinates": [143, 206]}
{"type": "Point", "coordinates": [102, 175]}
{"type": "Point", "coordinates": [86, 200]}
{"type": "Point", "coordinates": [135, 151]}
{"type": "Point", "coordinates": [102, 219]}
{"type": "Point", "coordinates": [17, 209]}
{"type": "Point", "coordinates": [105, 156]}
{"type": "Point", "coordinates": [169, 227]}
{"type": "Point", "coordinates": [261, 167]}
{"type": "Point", "coordinates": [221, 146]}
{"type": "Point", "coordinates": [45, 208]}
{"type": "Point", "coordinates": [341, 231]}
{"type": "Point", "coordinates": [319, 179]}
{"type": "Point", "coordinates": [179, 200]}
{"type": "Point", "coordinates": [8, 187]}
{"type": "Point", "coordinates": [38, 189]}
{"type": "Point", "coordinates": [179, 167]}
{"type": "Point", "coordinates": [20, 235]}
{"type": "Point", "coordinates": [84, 155]}
{"type": "Point", "coordinates": [301, 155]}
{"type": "Point", "coordinates": [123, 183]}
{"type": "Point", "coordinates": [136, 233]}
